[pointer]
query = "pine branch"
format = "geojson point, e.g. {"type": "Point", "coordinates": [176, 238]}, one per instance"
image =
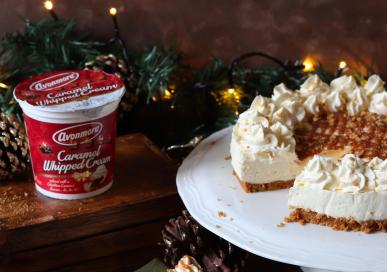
{"type": "Point", "coordinates": [45, 46]}
{"type": "Point", "coordinates": [155, 67]}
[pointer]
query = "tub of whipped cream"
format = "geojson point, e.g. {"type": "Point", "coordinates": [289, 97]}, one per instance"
{"type": "Point", "coordinates": [70, 118]}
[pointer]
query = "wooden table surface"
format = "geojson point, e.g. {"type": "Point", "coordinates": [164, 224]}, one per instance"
{"type": "Point", "coordinates": [116, 231]}
{"type": "Point", "coordinates": [142, 173]}
{"type": "Point", "coordinates": [38, 233]}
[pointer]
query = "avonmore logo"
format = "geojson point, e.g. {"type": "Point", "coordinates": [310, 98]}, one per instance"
{"type": "Point", "coordinates": [55, 81]}
{"type": "Point", "coordinates": [78, 134]}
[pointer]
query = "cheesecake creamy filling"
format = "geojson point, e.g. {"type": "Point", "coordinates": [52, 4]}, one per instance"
{"type": "Point", "coordinates": [361, 207]}
{"type": "Point", "coordinates": [264, 166]}
{"type": "Point", "coordinates": [350, 187]}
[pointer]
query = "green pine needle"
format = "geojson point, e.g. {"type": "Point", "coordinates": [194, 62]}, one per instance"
{"type": "Point", "coordinates": [45, 46]}
{"type": "Point", "coordinates": [155, 68]}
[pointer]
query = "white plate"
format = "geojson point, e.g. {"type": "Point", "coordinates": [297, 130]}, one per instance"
{"type": "Point", "coordinates": [207, 186]}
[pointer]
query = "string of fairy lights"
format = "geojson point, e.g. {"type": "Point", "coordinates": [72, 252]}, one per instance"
{"type": "Point", "coordinates": [232, 94]}
{"type": "Point", "coordinates": [309, 63]}
{"type": "Point", "coordinates": [49, 6]}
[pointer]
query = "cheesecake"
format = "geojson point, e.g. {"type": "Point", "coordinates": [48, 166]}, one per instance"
{"type": "Point", "coordinates": [345, 194]}
{"type": "Point", "coordinates": [263, 153]}
{"type": "Point", "coordinates": [276, 137]}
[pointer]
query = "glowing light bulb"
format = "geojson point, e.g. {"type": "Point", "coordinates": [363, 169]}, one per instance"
{"type": "Point", "coordinates": [167, 94]}
{"type": "Point", "coordinates": [231, 90]}
{"type": "Point", "coordinates": [342, 64]}
{"type": "Point", "coordinates": [48, 5]}
{"type": "Point", "coordinates": [113, 11]}
{"type": "Point", "coordinates": [3, 85]}
{"type": "Point", "coordinates": [308, 64]}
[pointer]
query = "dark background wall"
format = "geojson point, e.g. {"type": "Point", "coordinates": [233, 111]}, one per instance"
{"type": "Point", "coordinates": [330, 30]}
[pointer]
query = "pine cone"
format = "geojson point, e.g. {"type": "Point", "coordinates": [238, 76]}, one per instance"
{"type": "Point", "coordinates": [112, 65]}
{"type": "Point", "coordinates": [14, 157]}
{"type": "Point", "coordinates": [184, 236]}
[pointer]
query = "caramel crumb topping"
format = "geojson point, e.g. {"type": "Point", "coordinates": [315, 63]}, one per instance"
{"type": "Point", "coordinates": [364, 135]}
{"type": "Point", "coordinates": [222, 214]}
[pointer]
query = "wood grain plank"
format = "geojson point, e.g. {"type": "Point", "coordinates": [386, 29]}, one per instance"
{"type": "Point", "coordinates": [50, 233]}
{"type": "Point", "coordinates": [73, 252]}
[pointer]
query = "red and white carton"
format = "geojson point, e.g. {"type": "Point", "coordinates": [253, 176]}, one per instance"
{"type": "Point", "coordinates": [70, 118]}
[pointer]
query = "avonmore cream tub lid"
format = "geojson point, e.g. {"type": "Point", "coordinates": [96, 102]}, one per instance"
{"type": "Point", "coordinates": [69, 91]}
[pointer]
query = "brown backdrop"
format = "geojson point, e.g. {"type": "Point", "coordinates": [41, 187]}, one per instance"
{"type": "Point", "coordinates": [328, 29]}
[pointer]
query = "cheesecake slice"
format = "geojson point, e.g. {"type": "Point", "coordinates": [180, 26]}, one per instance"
{"type": "Point", "coordinates": [345, 194]}
{"type": "Point", "coordinates": [263, 153]}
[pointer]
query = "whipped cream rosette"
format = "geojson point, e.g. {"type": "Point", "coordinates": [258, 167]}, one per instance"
{"type": "Point", "coordinates": [70, 118]}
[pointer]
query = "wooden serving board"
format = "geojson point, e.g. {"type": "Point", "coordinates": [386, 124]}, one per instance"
{"type": "Point", "coordinates": [116, 231]}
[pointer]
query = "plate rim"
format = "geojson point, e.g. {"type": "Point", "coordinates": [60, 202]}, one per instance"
{"type": "Point", "coordinates": [226, 231]}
